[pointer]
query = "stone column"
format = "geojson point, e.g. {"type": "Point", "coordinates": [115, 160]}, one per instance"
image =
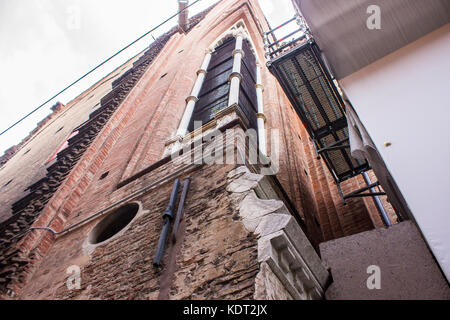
{"type": "Point", "coordinates": [193, 98]}
{"type": "Point", "coordinates": [236, 77]}
{"type": "Point", "coordinates": [260, 115]}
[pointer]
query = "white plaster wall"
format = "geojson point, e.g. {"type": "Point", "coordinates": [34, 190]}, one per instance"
{"type": "Point", "coordinates": [404, 98]}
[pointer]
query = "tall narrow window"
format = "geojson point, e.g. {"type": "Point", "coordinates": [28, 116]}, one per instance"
{"type": "Point", "coordinates": [213, 96]}
{"type": "Point", "coordinates": [247, 93]}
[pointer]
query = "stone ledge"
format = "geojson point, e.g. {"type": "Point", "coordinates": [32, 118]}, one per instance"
{"type": "Point", "coordinates": [288, 265]}
{"type": "Point", "coordinates": [282, 245]}
{"type": "Point", "coordinates": [408, 270]}
{"type": "Point", "coordinates": [221, 119]}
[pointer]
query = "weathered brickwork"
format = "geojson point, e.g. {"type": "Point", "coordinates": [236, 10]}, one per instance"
{"type": "Point", "coordinates": [27, 209]}
{"type": "Point", "coordinates": [216, 256]}
{"type": "Point", "coordinates": [10, 152]}
{"type": "Point", "coordinates": [14, 259]}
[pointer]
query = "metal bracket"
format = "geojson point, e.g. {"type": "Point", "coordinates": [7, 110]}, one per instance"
{"type": "Point", "coordinates": [358, 193]}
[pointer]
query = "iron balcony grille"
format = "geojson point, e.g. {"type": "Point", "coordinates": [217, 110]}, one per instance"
{"type": "Point", "coordinates": [318, 104]}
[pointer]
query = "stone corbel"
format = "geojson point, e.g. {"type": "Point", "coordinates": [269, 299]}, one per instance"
{"type": "Point", "coordinates": [286, 260]}
{"type": "Point", "coordinates": [289, 265]}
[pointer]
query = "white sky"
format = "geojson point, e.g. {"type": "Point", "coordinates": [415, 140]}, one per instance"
{"type": "Point", "coordinates": [47, 44]}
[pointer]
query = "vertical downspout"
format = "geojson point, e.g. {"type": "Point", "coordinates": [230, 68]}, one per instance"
{"type": "Point", "coordinates": [377, 201]}
{"type": "Point", "coordinates": [176, 224]}
{"type": "Point", "coordinates": [167, 217]}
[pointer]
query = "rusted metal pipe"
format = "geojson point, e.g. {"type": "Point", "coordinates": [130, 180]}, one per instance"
{"type": "Point", "coordinates": [167, 217]}
{"type": "Point", "coordinates": [180, 209]}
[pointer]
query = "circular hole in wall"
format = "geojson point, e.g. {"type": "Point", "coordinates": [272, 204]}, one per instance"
{"type": "Point", "coordinates": [113, 223]}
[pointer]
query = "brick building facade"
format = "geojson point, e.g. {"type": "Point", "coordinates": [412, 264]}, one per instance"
{"type": "Point", "coordinates": [244, 235]}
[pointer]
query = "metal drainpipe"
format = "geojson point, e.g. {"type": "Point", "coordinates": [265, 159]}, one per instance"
{"type": "Point", "coordinates": [167, 216]}
{"type": "Point", "coordinates": [180, 209]}
{"type": "Point", "coordinates": [377, 201]}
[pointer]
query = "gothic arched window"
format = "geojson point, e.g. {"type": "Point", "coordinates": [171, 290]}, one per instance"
{"type": "Point", "coordinates": [214, 94]}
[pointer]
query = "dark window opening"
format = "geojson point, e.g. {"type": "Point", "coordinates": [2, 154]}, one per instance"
{"type": "Point", "coordinates": [103, 176]}
{"type": "Point", "coordinates": [6, 184]}
{"type": "Point", "coordinates": [247, 95]}
{"type": "Point", "coordinates": [113, 223]}
{"type": "Point", "coordinates": [213, 96]}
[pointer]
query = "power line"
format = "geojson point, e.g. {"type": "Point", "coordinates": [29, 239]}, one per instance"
{"type": "Point", "coordinates": [98, 66]}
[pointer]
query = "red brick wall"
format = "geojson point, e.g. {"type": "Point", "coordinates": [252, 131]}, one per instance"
{"type": "Point", "coordinates": [214, 258]}
{"type": "Point", "coordinates": [134, 139]}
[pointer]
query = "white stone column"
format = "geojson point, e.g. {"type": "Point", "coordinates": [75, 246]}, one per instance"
{"type": "Point", "coordinates": [193, 98]}
{"type": "Point", "coordinates": [236, 77]}
{"type": "Point", "coordinates": [260, 115]}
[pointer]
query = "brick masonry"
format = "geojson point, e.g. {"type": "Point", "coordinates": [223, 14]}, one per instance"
{"type": "Point", "coordinates": [216, 258]}
{"type": "Point", "coordinates": [217, 249]}
{"type": "Point", "coordinates": [216, 255]}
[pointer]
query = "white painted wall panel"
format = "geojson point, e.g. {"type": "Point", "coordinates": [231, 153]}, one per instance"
{"type": "Point", "coordinates": [404, 98]}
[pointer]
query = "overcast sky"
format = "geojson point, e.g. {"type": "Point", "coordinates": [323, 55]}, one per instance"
{"type": "Point", "coordinates": [47, 44]}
